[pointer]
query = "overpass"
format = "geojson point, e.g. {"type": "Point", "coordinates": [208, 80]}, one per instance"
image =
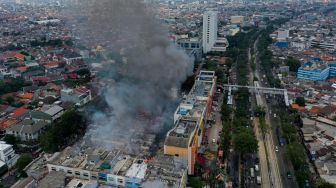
{"type": "Point", "coordinates": [258, 90]}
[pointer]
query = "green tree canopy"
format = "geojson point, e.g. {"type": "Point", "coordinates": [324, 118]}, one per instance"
{"type": "Point", "coordinates": [245, 142]}
{"type": "Point", "coordinates": [300, 101]}
{"type": "Point", "coordinates": [293, 64]}
{"type": "Point", "coordinates": [321, 183]}
{"type": "Point", "coordinates": [23, 161]}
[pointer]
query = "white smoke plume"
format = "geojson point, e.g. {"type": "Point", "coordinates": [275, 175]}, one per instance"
{"type": "Point", "coordinates": [147, 72]}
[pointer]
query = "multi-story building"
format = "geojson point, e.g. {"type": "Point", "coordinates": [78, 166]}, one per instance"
{"type": "Point", "coordinates": [27, 129]}
{"type": "Point", "coordinates": [210, 28]}
{"type": "Point", "coordinates": [190, 118]}
{"type": "Point", "coordinates": [332, 70]}
{"type": "Point", "coordinates": [329, 44]}
{"type": "Point", "coordinates": [7, 154]}
{"type": "Point", "coordinates": [114, 168]}
{"type": "Point", "coordinates": [193, 46]}
{"type": "Point", "coordinates": [315, 70]}
{"type": "Point", "coordinates": [211, 42]}
{"type": "Point", "coordinates": [79, 96]}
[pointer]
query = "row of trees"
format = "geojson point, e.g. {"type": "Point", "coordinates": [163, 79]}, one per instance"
{"type": "Point", "coordinates": [12, 85]}
{"type": "Point", "coordinates": [294, 150]}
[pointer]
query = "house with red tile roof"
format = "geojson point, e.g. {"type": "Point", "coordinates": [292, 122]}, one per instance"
{"type": "Point", "coordinates": [19, 113]}
{"type": "Point", "coordinates": [19, 56]}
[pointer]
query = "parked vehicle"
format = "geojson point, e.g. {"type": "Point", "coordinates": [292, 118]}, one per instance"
{"type": "Point", "coordinates": [258, 180]}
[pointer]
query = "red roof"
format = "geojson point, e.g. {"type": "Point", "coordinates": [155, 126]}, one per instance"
{"type": "Point", "coordinates": [22, 69]}
{"type": "Point", "coordinates": [40, 78]}
{"type": "Point", "coordinates": [315, 110]}
{"type": "Point", "coordinates": [28, 95]}
{"type": "Point", "coordinates": [7, 122]}
{"type": "Point", "coordinates": [51, 64]}
{"type": "Point", "coordinates": [81, 89]}
{"type": "Point", "coordinates": [18, 112]}
{"type": "Point", "coordinates": [19, 56]}
{"type": "Point", "coordinates": [71, 75]}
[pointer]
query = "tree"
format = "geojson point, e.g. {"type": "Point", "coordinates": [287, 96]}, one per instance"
{"type": "Point", "coordinates": [11, 139]}
{"type": "Point", "coordinates": [23, 161]}
{"type": "Point", "coordinates": [321, 183]}
{"type": "Point", "coordinates": [195, 182]}
{"type": "Point", "coordinates": [293, 64]}
{"type": "Point", "coordinates": [245, 142]}
{"type": "Point", "coordinates": [71, 124]}
{"type": "Point", "coordinates": [47, 141]}
{"type": "Point", "coordinates": [260, 111]}
{"type": "Point", "coordinates": [296, 154]}
{"type": "Point", "coordinates": [300, 101]}
{"type": "Point", "coordinates": [9, 100]}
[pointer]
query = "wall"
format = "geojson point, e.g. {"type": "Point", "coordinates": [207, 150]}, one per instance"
{"type": "Point", "coordinates": [173, 150]}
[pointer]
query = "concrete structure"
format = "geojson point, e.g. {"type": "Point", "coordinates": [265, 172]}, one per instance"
{"type": "Point", "coordinates": [211, 42]}
{"type": "Point", "coordinates": [190, 118]}
{"type": "Point", "coordinates": [7, 154]}
{"type": "Point", "coordinates": [193, 47]}
{"type": "Point", "coordinates": [237, 19]}
{"type": "Point", "coordinates": [27, 129]}
{"type": "Point", "coordinates": [113, 168]}
{"type": "Point", "coordinates": [48, 113]}
{"type": "Point", "coordinates": [283, 35]}
{"type": "Point", "coordinates": [79, 96]}
{"type": "Point", "coordinates": [315, 70]}
{"type": "Point", "coordinates": [257, 89]}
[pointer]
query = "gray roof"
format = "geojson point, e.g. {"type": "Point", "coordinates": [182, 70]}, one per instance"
{"type": "Point", "coordinates": [53, 179]}
{"type": "Point", "coordinates": [40, 115]}
{"type": "Point", "coordinates": [28, 126]}
{"type": "Point", "coordinates": [331, 165]}
{"type": "Point", "coordinates": [53, 110]}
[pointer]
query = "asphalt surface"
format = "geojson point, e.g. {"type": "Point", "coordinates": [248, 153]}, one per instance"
{"type": "Point", "coordinates": [278, 165]}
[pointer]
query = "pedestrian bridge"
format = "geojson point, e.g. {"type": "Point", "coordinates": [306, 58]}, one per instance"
{"type": "Point", "coordinates": [258, 90]}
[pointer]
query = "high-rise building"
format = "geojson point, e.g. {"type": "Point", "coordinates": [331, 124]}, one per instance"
{"type": "Point", "coordinates": [211, 42]}
{"type": "Point", "coordinates": [210, 27]}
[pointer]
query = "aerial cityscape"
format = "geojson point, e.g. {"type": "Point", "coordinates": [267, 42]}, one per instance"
{"type": "Point", "coordinates": [167, 93]}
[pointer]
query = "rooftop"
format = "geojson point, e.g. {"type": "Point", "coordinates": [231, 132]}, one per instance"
{"type": "Point", "coordinates": [101, 160]}
{"type": "Point", "coordinates": [180, 135]}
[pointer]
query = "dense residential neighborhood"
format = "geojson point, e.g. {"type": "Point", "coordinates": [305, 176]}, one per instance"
{"type": "Point", "coordinates": [167, 93]}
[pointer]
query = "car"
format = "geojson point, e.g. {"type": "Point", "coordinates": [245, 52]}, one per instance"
{"type": "Point", "coordinates": [214, 140]}
{"type": "Point", "coordinates": [276, 148]}
{"type": "Point", "coordinates": [256, 167]}
{"type": "Point", "coordinates": [289, 175]}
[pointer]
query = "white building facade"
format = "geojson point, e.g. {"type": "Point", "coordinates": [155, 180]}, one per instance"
{"type": "Point", "coordinates": [210, 28]}
{"type": "Point", "coordinates": [7, 154]}
{"type": "Point", "coordinates": [211, 42]}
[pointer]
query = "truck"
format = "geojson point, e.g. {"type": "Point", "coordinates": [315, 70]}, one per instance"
{"type": "Point", "coordinates": [258, 180]}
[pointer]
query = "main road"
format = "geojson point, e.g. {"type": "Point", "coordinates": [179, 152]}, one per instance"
{"type": "Point", "coordinates": [274, 179]}
{"type": "Point", "coordinates": [278, 167]}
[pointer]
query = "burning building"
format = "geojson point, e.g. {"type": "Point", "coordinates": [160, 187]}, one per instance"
{"type": "Point", "coordinates": [190, 119]}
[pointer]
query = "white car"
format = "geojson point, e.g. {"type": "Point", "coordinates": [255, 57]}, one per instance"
{"type": "Point", "coordinates": [276, 148]}
{"type": "Point", "coordinates": [213, 140]}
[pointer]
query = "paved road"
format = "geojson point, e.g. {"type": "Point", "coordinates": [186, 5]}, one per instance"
{"type": "Point", "coordinates": [262, 156]}
{"type": "Point", "coordinates": [213, 132]}
{"type": "Point", "coordinates": [285, 165]}
{"type": "Point", "coordinates": [275, 179]}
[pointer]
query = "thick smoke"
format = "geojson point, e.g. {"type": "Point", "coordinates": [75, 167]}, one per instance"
{"type": "Point", "coordinates": [146, 71]}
